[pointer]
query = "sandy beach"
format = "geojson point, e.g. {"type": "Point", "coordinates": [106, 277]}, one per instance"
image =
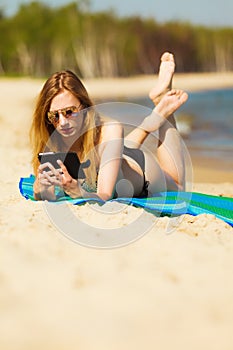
{"type": "Point", "coordinates": [169, 289]}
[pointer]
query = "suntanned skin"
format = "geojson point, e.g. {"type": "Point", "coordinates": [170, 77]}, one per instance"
{"type": "Point", "coordinates": [169, 151]}
{"type": "Point", "coordinates": [113, 164]}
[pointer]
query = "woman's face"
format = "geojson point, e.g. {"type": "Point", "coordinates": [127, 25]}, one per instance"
{"type": "Point", "coordinates": [67, 121]}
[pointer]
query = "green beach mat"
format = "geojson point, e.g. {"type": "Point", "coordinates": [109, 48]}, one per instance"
{"type": "Point", "coordinates": [162, 203]}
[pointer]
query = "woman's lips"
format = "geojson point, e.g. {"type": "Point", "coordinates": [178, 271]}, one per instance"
{"type": "Point", "coordinates": [67, 131]}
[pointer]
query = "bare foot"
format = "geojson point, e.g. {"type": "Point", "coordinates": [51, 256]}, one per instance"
{"type": "Point", "coordinates": [169, 103]}
{"type": "Point", "coordinates": [166, 71]}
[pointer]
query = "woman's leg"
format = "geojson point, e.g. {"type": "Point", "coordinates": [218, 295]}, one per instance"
{"type": "Point", "coordinates": [169, 152]}
{"type": "Point", "coordinates": [166, 171]}
{"type": "Point", "coordinates": [166, 71]}
{"type": "Point", "coordinates": [170, 157]}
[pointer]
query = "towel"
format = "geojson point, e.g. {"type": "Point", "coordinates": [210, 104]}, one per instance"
{"type": "Point", "coordinates": [162, 203]}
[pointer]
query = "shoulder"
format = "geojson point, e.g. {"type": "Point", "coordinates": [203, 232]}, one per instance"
{"type": "Point", "coordinates": [111, 129]}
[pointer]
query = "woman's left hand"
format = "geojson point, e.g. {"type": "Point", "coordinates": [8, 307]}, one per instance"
{"type": "Point", "coordinates": [69, 185]}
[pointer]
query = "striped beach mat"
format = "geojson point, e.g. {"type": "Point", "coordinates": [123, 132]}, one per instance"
{"type": "Point", "coordinates": [162, 203]}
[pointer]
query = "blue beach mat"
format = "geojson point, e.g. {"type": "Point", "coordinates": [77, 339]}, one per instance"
{"type": "Point", "coordinates": [162, 203]}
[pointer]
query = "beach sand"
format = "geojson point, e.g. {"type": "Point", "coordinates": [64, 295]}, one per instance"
{"type": "Point", "coordinates": [171, 289]}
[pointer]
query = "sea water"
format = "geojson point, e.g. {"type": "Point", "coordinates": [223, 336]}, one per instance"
{"type": "Point", "coordinates": [205, 122]}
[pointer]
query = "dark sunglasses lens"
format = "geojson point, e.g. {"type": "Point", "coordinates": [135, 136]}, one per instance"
{"type": "Point", "coordinates": [56, 117]}
{"type": "Point", "coordinates": [68, 113]}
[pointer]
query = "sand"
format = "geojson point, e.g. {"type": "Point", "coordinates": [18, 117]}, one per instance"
{"type": "Point", "coordinates": [172, 288]}
{"type": "Point", "coordinates": [140, 85]}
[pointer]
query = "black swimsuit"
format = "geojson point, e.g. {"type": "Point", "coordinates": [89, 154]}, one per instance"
{"type": "Point", "coordinates": [137, 155]}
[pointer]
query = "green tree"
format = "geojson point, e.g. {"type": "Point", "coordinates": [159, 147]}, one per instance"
{"type": "Point", "coordinates": [40, 39]}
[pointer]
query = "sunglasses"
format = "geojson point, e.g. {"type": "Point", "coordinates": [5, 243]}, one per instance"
{"type": "Point", "coordinates": [68, 112]}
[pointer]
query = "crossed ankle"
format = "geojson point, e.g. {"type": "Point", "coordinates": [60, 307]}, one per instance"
{"type": "Point", "coordinates": [153, 122]}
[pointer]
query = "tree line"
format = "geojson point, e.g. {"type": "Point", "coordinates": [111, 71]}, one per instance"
{"type": "Point", "coordinates": [39, 40]}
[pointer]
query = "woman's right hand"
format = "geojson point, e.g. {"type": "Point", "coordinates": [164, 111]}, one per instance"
{"type": "Point", "coordinates": [47, 178]}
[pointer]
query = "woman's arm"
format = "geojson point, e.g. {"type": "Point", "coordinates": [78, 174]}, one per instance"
{"type": "Point", "coordinates": [110, 162]}
{"type": "Point", "coordinates": [110, 151]}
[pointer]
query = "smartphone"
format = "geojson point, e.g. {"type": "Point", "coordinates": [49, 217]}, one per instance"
{"type": "Point", "coordinates": [70, 160]}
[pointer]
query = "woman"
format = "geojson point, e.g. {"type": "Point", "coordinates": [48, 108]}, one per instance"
{"type": "Point", "coordinates": [65, 120]}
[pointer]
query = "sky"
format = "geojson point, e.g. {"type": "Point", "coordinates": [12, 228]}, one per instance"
{"type": "Point", "coordinates": [204, 12]}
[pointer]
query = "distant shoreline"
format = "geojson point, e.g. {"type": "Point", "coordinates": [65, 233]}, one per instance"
{"type": "Point", "coordinates": [137, 86]}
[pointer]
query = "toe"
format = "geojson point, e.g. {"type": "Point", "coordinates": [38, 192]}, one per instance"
{"type": "Point", "coordinates": [167, 56]}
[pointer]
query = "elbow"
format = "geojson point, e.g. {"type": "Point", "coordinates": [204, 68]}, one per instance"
{"type": "Point", "coordinates": [37, 196]}
{"type": "Point", "coordinates": [105, 196]}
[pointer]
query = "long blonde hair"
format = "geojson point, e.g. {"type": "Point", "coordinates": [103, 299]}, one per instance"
{"type": "Point", "coordinates": [43, 135]}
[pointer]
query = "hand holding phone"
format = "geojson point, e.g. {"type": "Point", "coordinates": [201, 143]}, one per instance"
{"type": "Point", "coordinates": [69, 159]}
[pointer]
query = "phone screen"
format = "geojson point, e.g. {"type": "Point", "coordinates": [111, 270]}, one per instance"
{"type": "Point", "coordinates": [70, 160]}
